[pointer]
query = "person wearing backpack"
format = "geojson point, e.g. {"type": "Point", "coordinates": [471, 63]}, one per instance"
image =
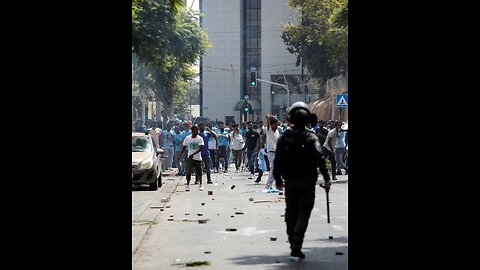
{"type": "Point", "coordinates": [297, 160]}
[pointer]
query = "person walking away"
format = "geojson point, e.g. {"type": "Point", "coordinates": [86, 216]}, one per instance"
{"type": "Point", "coordinates": [237, 144]}
{"type": "Point", "coordinates": [251, 138]}
{"type": "Point", "coordinates": [194, 144]}
{"type": "Point", "coordinates": [272, 135]}
{"type": "Point", "coordinates": [297, 160]}
{"type": "Point", "coordinates": [205, 153]}
{"type": "Point", "coordinates": [330, 142]}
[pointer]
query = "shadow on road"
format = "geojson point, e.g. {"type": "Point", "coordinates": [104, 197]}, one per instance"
{"type": "Point", "coordinates": [141, 188]}
{"type": "Point", "coordinates": [316, 258]}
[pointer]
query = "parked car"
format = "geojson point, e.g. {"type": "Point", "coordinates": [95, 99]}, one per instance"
{"type": "Point", "coordinates": [146, 161]}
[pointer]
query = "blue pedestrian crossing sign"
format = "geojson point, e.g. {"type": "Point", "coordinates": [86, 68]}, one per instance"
{"type": "Point", "coordinates": [341, 100]}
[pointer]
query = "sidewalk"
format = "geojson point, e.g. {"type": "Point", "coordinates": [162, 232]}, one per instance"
{"type": "Point", "coordinates": [237, 203]}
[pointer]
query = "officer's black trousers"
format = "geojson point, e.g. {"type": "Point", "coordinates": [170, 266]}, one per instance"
{"type": "Point", "coordinates": [299, 206]}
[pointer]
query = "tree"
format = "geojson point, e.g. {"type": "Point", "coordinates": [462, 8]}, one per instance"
{"type": "Point", "coordinates": [320, 40]}
{"type": "Point", "coordinates": [166, 44]}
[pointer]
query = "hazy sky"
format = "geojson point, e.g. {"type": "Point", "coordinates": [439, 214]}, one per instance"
{"type": "Point", "coordinates": [195, 4]}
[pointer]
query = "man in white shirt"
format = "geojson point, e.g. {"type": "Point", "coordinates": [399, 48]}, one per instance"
{"type": "Point", "coordinates": [194, 143]}
{"type": "Point", "coordinates": [272, 135]}
{"type": "Point", "coordinates": [237, 144]}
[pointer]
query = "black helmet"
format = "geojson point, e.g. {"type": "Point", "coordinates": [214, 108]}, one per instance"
{"type": "Point", "coordinates": [299, 114]}
{"type": "Point", "coordinates": [298, 105]}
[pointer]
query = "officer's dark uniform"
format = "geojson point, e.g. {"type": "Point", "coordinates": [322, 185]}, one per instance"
{"type": "Point", "coordinates": [297, 158]}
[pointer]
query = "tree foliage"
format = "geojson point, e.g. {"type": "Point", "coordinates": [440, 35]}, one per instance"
{"type": "Point", "coordinates": [166, 44]}
{"type": "Point", "coordinates": [320, 40]}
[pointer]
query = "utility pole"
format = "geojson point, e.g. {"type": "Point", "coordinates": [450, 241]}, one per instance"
{"type": "Point", "coordinates": [285, 86]}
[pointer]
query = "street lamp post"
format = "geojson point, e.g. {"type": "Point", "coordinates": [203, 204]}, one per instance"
{"type": "Point", "coordinates": [285, 86]}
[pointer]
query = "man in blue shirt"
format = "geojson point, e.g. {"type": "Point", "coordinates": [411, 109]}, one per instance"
{"type": "Point", "coordinates": [178, 143]}
{"type": "Point", "coordinates": [206, 135]}
{"type": "Point", "coordinates": [167, 144]}
{"type": "Point", "coordinates": [223, 140]}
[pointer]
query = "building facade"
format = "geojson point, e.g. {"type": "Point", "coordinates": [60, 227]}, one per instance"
{"type": "Point", "coordinates": [246, 38]}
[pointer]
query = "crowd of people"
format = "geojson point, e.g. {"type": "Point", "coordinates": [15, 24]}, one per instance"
{"type": "Point", "coordinates": [294, 152]}
{"type": "Point", "coordinates": [250, 146]}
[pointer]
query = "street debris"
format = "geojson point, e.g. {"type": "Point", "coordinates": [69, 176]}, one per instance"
{"type": "Point", "coordinates": [170, 219]}
{"type": "Point", "coordinates": [280, 193]}
{"type": "Point", "coordinates": [251, 199]}
{"type": "Point", "coordinates": [165, 200]}
{"type": "Point", "coordinates": [330, 237]}
{"type": "Point", "coordinates": [202, 203]}
{"type": "Point", "coordinates": [143, 222]}
{"type": "Point", "coordinates": [338, 253]}
{"type": "Point", "coordinates": [202, 221]}
{"type": "Point", "coordinates": [199, 214]}
{"type": "Point", "coordinates": [230, 229]}
{"type": "Point", "coordinates": [207, 252]}
{"type": "Point", "coordinates": [186, 214]}
{"type": "Point", "coordinates": [185, 219]}
{"type": "Point", "coordinates": [277, 261]}
{"type": "Point", "coordinates": [232, 216]}
{"type": "Point", "coordinates": [197, 263]}
{"type": "Point", "coordinates": [155, 207]}
{"type": "Point", "coordinates": [282, 215]}
{"type": "Point", "coordinates": [167, 206]}
{"type": "Point", "coordinates": [262, 201]}
{"type": "Point", "coordinates": [239, 213]}
{"type": "Point", "coordinates": [171, 215]}
{"type": "Point", "coordinates": [210, 192]}
{"type": "Point", "coordinates": [273, 238]}
{"type": "Point", "coordinates": [232, 187]}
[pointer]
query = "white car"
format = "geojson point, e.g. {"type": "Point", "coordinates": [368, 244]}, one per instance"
{"type": "Point", "coordinates": [146, 161]}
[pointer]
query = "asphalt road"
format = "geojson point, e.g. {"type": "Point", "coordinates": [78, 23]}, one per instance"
{"type": "Point", "coordinates": [158, 243]}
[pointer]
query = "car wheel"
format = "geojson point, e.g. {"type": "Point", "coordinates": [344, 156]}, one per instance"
{"type": "Point", "coordinates": [154, 186]}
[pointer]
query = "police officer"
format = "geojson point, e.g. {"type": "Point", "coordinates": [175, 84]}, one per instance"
{"type": "Point", "coordinates": [297, 157]}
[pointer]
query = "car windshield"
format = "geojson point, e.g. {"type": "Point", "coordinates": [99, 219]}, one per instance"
{"type": "Point", "coordinates": [141, 144]}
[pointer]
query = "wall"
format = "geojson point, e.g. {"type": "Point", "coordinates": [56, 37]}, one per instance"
{"type": "Point", "coordinates": [275, 57]}
{"type": "Point", "coordinates": [221, 88]}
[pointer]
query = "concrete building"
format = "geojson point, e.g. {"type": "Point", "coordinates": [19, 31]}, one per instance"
{"type": "Point", "coordinates": [246, 38]}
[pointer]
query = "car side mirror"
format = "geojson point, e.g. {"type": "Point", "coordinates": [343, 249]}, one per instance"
{"type": "Point", "coordinates": [160, 151]}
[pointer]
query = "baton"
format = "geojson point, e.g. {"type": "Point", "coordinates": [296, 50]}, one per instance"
{"type": "Point", "coordinates": [328, 203]}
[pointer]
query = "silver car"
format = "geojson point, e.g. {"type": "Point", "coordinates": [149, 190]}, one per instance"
{"type": "Point", "coordinates": [146, 161]}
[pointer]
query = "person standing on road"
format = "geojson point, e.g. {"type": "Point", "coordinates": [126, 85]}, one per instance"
{"type": "Point", "coordinates": [205, 153]}
{"type": "Point", "coordinates": [330, 142]}
{"type": "Point", "coordinates": [212, 148]}
{"type": "Point", "coordinates": [178, 143]}
{"type": "Point", "coordinates": [251, 139]}
{"type": "Point", "coordinates": [341, 151]}
{"type": "Point", "coordinates": [237, 145]}
{"type": "Point", "coordinates": [223, 140]}
{"type": "Point", "coordinates": [297, 160]}
{"type": "Point", "coordinates": [272, 135]}
{"type": "Point", "coordinates": [194, 144]}
{"type": "Point", "coordinates": [167, 141]}
{"type": "Point", "coordinates": [322, 134]}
